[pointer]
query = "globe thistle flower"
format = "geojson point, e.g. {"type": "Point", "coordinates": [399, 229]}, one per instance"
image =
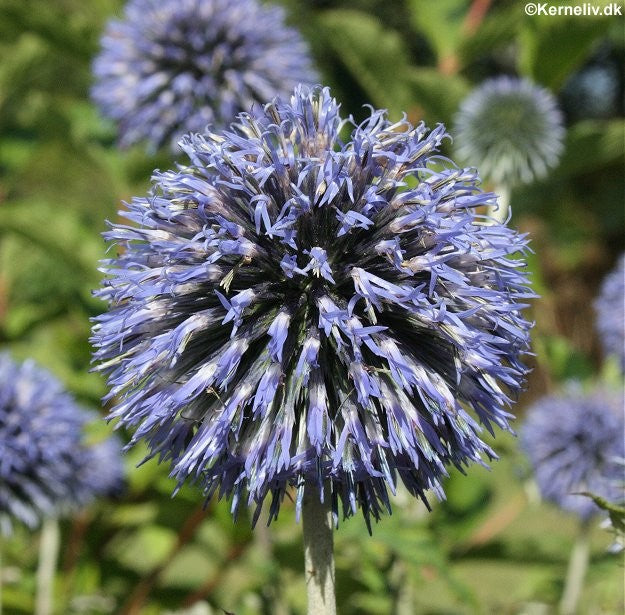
{"type": "Point", "coordinates": [610, 309]}
{"type": "Point", "coordinates": [511, 129]}
{"type": "Point", "coordinates": [292, 309]}
{"type": "Point", "coordinates": [41, 448]}
{"type": "Point", "coordinates": [174, 66]}
{"type": "Point", "coordinates": [574, 442]}
{"type": "Point", "coordinates": [103, 473]}
{"type": "Point", "coordinates": [593, 91]}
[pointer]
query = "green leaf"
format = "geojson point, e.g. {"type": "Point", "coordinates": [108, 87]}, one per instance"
{"type": "Point", "coordinates": [14, 153]}
{"type": "Point", "coordinates": [144, 549]}
{"type": "Point", "coordinates": [56, 231]}
{"type": "Point", "coordinates": [435, 98]}
{"type": "Point", "coordinates": [144, 474]}
{"type": "Point", "coordinates": [375, 604]}
{"type": "Point", "coordinates": [499, 27]}
{"type": "Point", "coordinates": [611, 373]}
{"type": "Point", "coordinates": [376, 57]}
{"type": "Point", "coordinates": [48, 22]}
{"type": "Point", "coordinates": [615, 511]}
{"type": "Point", "coordinates": [537, 279]}
{"type": "Point", "coordinates": [372, 577]}
{"type": "Point", "coordinates": [136, 513]}
{"type": "Point", "coordinates": [59, 345]}
{"type": "Point", "coordinates": [562, 359]}
{"type": "Point", "coordinates": [23, 317]}
{"type": "Point", "coordinates": [551, 47]}
{"type": "Point", "coordinates": [190, 568]}
{"type": "Point", "coordinates": [412, 544]}
{"type": "Point", "coordinates": [24, 57]}
{"type": "Point", "coordinates": [441, 22]}
{"type": "Point", "coordinates": [17, 601]}
{"type": "Point", "coordinates": [591, 144]}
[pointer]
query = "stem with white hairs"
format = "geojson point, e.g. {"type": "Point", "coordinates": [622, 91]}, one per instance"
{"type": "Point", "coordinates": [318, 529]}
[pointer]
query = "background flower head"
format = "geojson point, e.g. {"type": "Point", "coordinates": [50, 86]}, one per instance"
{"type": "Point", "coordinates": [41, 444]}
{"type": "Point", "coordinates": [174, 66]}
{"type": "Point", "coordinates": [510, 129]}
{"type": "Point", "coordinates": [292, 309]}
{"type": "Point", "coordinates": [574, 442]}
{"type": "Point", "coordinates": [102, 473]}
{"type": "Point", "coordinates": [610, 309]}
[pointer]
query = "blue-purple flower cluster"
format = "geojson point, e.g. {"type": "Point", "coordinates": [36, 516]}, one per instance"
{"type": "Point", "coordinates": [103, 472]}
{"type": "Point", "coordinates": [175, 66]}
{"type": "Point", "coordinates": [511, 129]}
{"type": "Point", "coordinates": [46, 469]}
{"type": "Point", "coordinates": [575, 444]}
{"type": "Point", "coordinates": [292, 309]}
{"type": "Point", "coordinates": [610, 309]}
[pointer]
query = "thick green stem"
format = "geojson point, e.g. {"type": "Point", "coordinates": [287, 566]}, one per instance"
{"type": "Point", "coordinates": [48, 554]}
{"type": "Point", "coordinates": [319, 552]}
{"type": "Point", "coordinates": [500, 211]}
{"type": "Point", "coordinates": [1, 576]}
{"type": "Point", "coordinates": [578, 563]}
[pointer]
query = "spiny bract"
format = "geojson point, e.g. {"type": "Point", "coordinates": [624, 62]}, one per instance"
{"type": "Point", "coordinates": [175, 66]}
{"type": "Point", "coordinates": [290, 309]}
{"type": "Point", "coordinates": [575, 444]}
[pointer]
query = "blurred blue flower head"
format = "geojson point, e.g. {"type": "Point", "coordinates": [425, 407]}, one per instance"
{"type": "Point", "coordinates": [575, 444]}
{"type": "Point", "coordinates": [175, 66]}
{"type": "Point", "coordinates": [292, 309]}
{"type": "Point", "coordinates": [41, 445]}
{"type": "Point", "coordinates": [510, 129]}
{"type": "Point", "coordinates": [103, 473]}
{"type": "Point", "coordinates": [610, 309]}
{"type": "Point", "coordinates": [593, 91]}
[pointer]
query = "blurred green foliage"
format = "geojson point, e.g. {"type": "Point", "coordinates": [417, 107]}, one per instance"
{"type": "Point", "coordinates": [490, 548]}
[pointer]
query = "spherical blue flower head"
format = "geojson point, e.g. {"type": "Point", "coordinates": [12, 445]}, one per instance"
{"type": "Point", "coordinates": [293, 309]}
{"type": "Point", "coordinates": [610, 308]}
{"type": "Point", "coordinates": [174, 66]}
{"type": "Point", "coordinates": [102, 473]}
{"type": "Point", "coordinates": [574, 442]}
{"type": "Point", "coordinates": [510, 129]}
{"type": "Point", "coordinates": [40, 444]}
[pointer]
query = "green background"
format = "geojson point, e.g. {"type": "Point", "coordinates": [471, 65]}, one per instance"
{"type": "Point", "coordinates": [492, 547]}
